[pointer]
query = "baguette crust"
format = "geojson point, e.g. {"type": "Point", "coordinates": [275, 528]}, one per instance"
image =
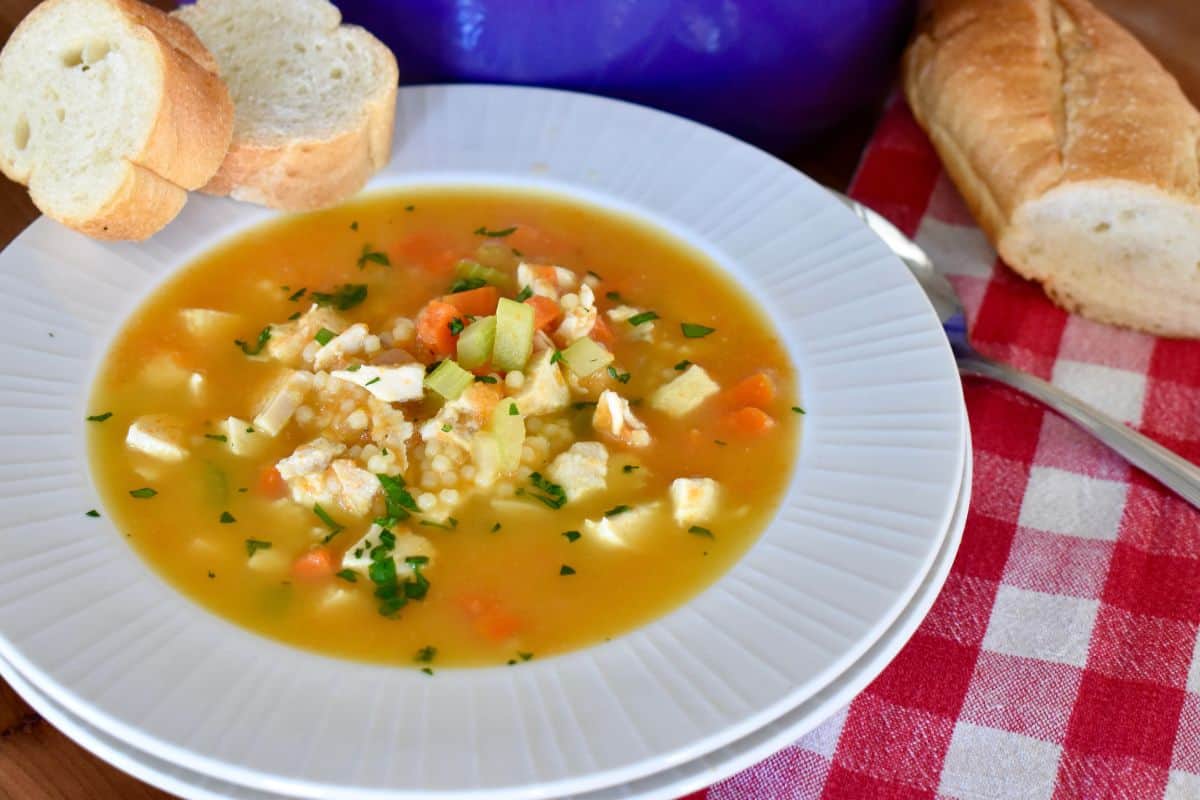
{"type": "Point", "coordinates": [1039, 108]}
{"type": "Point", "coordinates": [184, 146]}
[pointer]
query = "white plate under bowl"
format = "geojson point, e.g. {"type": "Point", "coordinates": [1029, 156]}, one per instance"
{"type": "Point", "coordinates": [95, 629]}
{"type": "Point", "coordinates": [666, 785]}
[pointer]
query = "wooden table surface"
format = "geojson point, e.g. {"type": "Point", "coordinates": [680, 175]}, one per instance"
{"type": "Point", "coordinates": [37, 762]}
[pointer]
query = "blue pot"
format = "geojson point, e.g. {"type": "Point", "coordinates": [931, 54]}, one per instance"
{"type": "Point", "coordinates": [770, 71]}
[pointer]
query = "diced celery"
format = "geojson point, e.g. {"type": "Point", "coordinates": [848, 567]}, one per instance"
{"type": "Point", "coordinates": [585, 356]}
{"type": "Point", "coordinates": [475, 342]}
{"type": "Point", "coordinates": [497, 255]}
{"type": "Point", "coordinates": [509, 430]}
{"type": "Point", "coordinates": [449, 379]}
{"type": "Point", "coordinates": [514, 335]}
{"type": "Point", "coordinates": [466, 268]}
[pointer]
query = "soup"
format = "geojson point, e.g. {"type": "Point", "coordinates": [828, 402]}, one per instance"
{"type": "Point", "coordinates": [445, 428]}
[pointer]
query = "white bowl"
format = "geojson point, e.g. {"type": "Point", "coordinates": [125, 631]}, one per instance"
{"type": "Point", "coordinates": [96, 630]}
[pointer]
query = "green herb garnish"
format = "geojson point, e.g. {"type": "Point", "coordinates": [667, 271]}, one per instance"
{"type": "Point", "coordinates": [693, 331]}
{"type": "Point", "coordinates": [145, 493]}
{"type": "Point", "coordinates": [92, 513]}
{"type": "Point", "coordinates": [373, 381]}
{"type": "Point", "coordinates": [330, 522]}
{"type": "Point", "coordinates": [450, 524]}
{"type": "Point", "coordinates": [614, 296]}
{"type": "Point", "coordinates": [497, 234]}
{"type": "Point", "coordinates": [623, 377]}
{"type": "Point", "coordinates": [595, 275]}
{"type": "Point", "coordinates": [354, 225]}
{"type": "Point", "coordinates": [513, 411]}
{"type": "Point", "coordinates": [485, 379]}
{"type": "Point", "coordinates": [642, 318]}
{"type": "Point", "coordinates": [294, 317]}
{"type": "Point", "coordinates": [426, 654]}
{"type": "Point", "coordinates": [495, 527]}
{"type": "Point", "coordinates": [372, 256]}
{"type": "Point", "coordinates": [254, 545]}
{"type": "Point", "coordinates": [100, 417]}
{"type": "Point", "coordinates": [297, 294]}
{"type": "Point", "coordinates": [324, 336]}
{"type": "Point", "coordinates": [524, 294]}
{"type": "Point", "coordinates": [342, 297]}
{"type": "Point", "coordinates": [615, 510]}
{"type": "Point", "coordinates": [566, 570]}
{"type": "Point", "coordinates": [227, 518]}
{"type": "Point", "coordinates": [629, 468]}
{"type": "Point", "coordinates": [682, 365]}
{"type": "Point", "coordinates": [447, 427]}
{"type": "Point", "coordinates": [798, 409]}
{"type": "Point", "coordinates": [524, 656]}
{"type": "Point", "coordinates": [572, 535]}
{"type": "Point", "coordinates": [467, 284]}
{"type": "Point", "coordinates": [400, 504]}
{"type": "Point", "coordinates": [347, 575]}
{"type": "Point", "coordinates": [699, 531]}
{"type": "Point", "coordinates": [553, 495]}
{"type": "Point", "coordinates": [217, 437]}
{"type": "Point", "coordinates": [252, 350]}
{"type": "Point", "coordinates": [557, 357]}
{"type": "Point", "coordinates": [456, 326]}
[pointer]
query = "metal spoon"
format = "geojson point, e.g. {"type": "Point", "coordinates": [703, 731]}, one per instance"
{"type": "Point", "coordinates": [1178, 474]}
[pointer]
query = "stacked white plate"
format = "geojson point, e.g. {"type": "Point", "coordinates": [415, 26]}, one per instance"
{"type": "Point", "coordinates": [147, 680]}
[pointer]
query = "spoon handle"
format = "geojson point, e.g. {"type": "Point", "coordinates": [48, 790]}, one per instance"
{"type": "Point", "coordinates": [1176, 473]}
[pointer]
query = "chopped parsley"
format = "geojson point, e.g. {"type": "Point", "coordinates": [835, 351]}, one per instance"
{"type": "Point", "coordinates": [693, 331]}
{"type": "Point", "coordinates": [524, 294]}
{"type": "Point", "coordinates": [252, 350]}
{"type": "Point", "coordinates": [798, 409]}
{"type": "Point", "coordinates": [100, 417]}
{"type": "Point", "coordinates": [595, 275]}
{"type": "Point", "coordinates": [211, 574]}
{"type": "Point", "coordinates": [354, 225]}
{"type": "Point", "coordinates": [642, 318]}
{"type": "Point", "coordinates": [566, 570]}
{"type": "Point", "coordinates": [92, 513]}
{"type": "Point", "coordinates": [294, 317]}
{"type": "Point", "coordinates": [682, 365]}
{"type": "Point", "coordinates": [552, 495]}
{"type": "Point", "coordinates": [373, 381]}
{"type": "Point", "coordinates": [629, 468]}
{"type": "Point", "coordinates": [450, 524]}
{"type": "Point", "coordinates": [343, 297]}
{"type": "Point", "coordinates": [495, 527]}
{"type": "Point", "coordinates": [427, 671]}
{"type": "Point", "coordinates": [249, 430]}
{"type": "Point", "coordinates": [217, 437]}
{"type": "Point", "coordinates": [513, 411]}
{"type": "Point", "coordinates": [584, 404]}
{"type": "Point", "coordinates": [426, 654]}
{"type": "Point", "coordinates": [524, 656]}
{"type": "Point", "coordinates": [615, 297]}
{"type": "Point", "coordinates": [254, 545]}
{"type": "Point", "coordinates": [700, 531]}
{"type": "Point", "coordinates": [496, 234]}
{"type": "Point", "coordinates": [227, 518]}
{"type": "Point", "coordinates": [400, 504]}
{"type": "Point", "coordinates": [456, 326]}
{"type": "Point", "coordinates": [615, 510]}
{"type": "Point", "coordinates": [347, 575]}
{"type": "Point", "coordinates": [485, 378]}
{"type": "Point", "coordinates": [623, 377]}
{"type": "Point", "coordinates": [719, 443]}
{"type": "Point", "coordinates": [467, 284]}
{"type": "Point", "coordinates": [557, 357]}
{"type": "Point", "coordinates": [145, 493]}
{"type": "Point", "coordinates": [354, 368]}
{"type": "Point", "coordinates": [410, 208]}
{"type": "Point", "coordinates": [572, 535]}
{"type": "Point", "coordinates": [330, 522]}
{"type": "Point", "coordinates": [447, 427]}
{"type": "Point", "coordinates": [297, 294]}
{"type": "Point", "coordinates": [324, 336]}
{"type": "Point", "coordinates": [372, 256]}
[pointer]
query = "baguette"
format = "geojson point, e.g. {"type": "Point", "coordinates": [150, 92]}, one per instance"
{"type": "Point", "coordinates": [315, 100]}
{"type": "Point", "coordinates": [109, 112]}
{"type": "Point", "coordinates": [1074, 149]}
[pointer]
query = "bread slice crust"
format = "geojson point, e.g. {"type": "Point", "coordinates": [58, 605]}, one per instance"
{"type": "Point", "coordinates": [1076, 151]}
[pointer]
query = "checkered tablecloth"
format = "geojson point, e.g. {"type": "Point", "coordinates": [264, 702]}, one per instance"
{"type": "Point", "coordinates": [1060, 660]}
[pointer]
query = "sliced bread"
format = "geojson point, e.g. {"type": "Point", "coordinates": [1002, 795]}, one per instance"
{"type": "Point", "coordinates": [315, 100]}
{"type": "Point", "coordinates": [1076, 151]}
{"type": "Point", "coordinates": [109, 112]}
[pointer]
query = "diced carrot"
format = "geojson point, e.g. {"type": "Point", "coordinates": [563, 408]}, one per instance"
{"type": "Point", "coordinates": [433, 327]}
{"type": "Point", "coordinates": [315, 565]}
{"type": "Point", "coordinates": [477, 302]}
{"type": "Point", "coordinates": [270, 483]}
{"type": "Point", "coordinates": [533, 241]}
{"type": "Point", "coordinates": [748, 422]}
{"type": "Point", "coordinates": [488, 617]}
{"type": "Point", "coordinates": [758, 390]}
{"type": "Point", "coordinates": [426, 252]}
{"type": "Point", "coordinates": [546, 312]}
{"type": "Point", "coordinates": [601, 332]}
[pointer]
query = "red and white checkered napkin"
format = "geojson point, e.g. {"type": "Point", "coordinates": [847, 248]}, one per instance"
{"type": "Point", "coordinates": [1060, 660]}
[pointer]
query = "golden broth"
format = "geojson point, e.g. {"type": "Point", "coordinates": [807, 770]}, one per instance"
{"type": "Point", "coordinates": [495, 594]}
